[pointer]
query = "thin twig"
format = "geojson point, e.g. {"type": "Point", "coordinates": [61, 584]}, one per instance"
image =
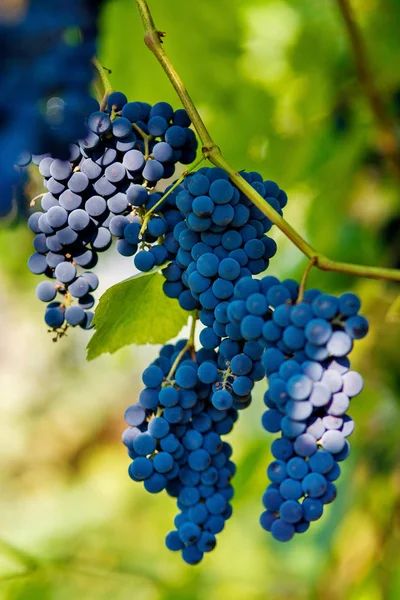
{"type": "Point", "coordinates": [102, 71]}
{"type": "Point", "coordinates": [303, 281]}
{"type": "Point", "coordinates": [187, 347]}
{"type": "Point", "coordinates": [365, 76]}
{"type": "Point", "coordinates": [171, 189]}
{"type": "Point", "coordinates": [33, 201]}
{"type": "Point", "coordinates": [146, 138]}
{"type": "Point", "coordinates": [153, 39]}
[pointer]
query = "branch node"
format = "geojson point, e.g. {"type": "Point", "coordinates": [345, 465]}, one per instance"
{"type": "Point", "coordinates": [210, 151]}
{"type": "Point", "coordinates": [152, 39]}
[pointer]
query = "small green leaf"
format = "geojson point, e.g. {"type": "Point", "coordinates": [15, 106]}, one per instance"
{"type": "Point", "coordinates": [135, 311]}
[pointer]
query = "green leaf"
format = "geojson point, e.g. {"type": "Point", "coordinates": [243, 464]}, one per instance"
{"type": "Point", "coordinates": [135, 311]}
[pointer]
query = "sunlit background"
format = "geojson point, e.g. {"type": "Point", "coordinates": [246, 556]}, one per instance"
{"type": "Point", "coordinates": [275, 83]}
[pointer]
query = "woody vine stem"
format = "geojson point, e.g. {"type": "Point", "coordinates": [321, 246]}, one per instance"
{"type": "Point", "coordinates": [153, 39]}
{"type": "Point", "coordinates": [383, 119]}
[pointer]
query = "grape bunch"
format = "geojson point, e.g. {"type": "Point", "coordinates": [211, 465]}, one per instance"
{"type": "Point", "coordinates": [175, 443]}
{"type": "Point", "coordinates": [68, 238]}
{"type": "Point", "coordinates": [310, 387]}
{"type": "Point", "coordinates": [136, 142]}
{"type": "Point", "coordinates": [252, 328]}
{"type": "Point", "coordinates": [46, 75]}
{"type": "Point", "coordinates": [221, 239]}
{"type": "Point", "coordinates": [97, 194]}
{"type": "Point", "coordinates": [214, 240]}
{"type": "Point", "coordinates": [218, 242]}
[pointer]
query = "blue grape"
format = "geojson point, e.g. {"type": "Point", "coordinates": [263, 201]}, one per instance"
{"type": "Point", "coordinates": [282, 531]}
{"type": "Point", "coordinates": [75, 315]}
{"type": "Point", "coordinates": [46, 291]}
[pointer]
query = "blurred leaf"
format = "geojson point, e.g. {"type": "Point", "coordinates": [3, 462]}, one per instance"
{"type": "Point", "coordinates": [135, 311]}
{"type": "Point", "coordinates": [393, 314]}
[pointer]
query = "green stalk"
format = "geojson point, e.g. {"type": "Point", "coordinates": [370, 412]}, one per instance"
{"type": "Point", "coordinates": [104, 80]}
{"type": "Point", "coordinates": [171, 189]}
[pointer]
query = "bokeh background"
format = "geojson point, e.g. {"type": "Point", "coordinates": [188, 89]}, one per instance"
{"type": "Point", "coordinates": [276, 84]}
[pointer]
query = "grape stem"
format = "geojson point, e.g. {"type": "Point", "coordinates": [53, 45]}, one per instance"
{"type": "Point", "coordinates": [153, 40]}
{"type": "Point", "coordinates": [171, 189]}
{"type": "Point", "coordinates": [226, 376]}
{"type": "Point", "coordinates": [68, 299]}
{"type": "Point", "coordinates": [303, 282]}
{"type": "Point", "coordinates": [189, 346]}
{"type": "Point", "coordinates": [33, 201]}
{"type": "Point", "coordinates": [146, 139]}
{"type": "Point", "coordinates": [102, 71]}
{"type": "Point", "coordinates": [141, 132]}
{"type": "Point", "coordinates": [383, 119]}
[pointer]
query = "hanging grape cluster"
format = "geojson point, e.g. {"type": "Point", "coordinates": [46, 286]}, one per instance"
{"type": "Point", "coordinates": [104, 189]}
{"type": "Point", "coordinates": [210, 242]}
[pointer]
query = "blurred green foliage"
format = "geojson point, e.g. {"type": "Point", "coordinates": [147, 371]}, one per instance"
{"type": "Point", "coordinates": [275, 82]}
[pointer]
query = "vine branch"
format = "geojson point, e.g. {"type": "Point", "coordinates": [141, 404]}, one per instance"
{"type": "Point", "coordinates": [153, 40]}
{"type": "Point", "coordinates": [365, 76]}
